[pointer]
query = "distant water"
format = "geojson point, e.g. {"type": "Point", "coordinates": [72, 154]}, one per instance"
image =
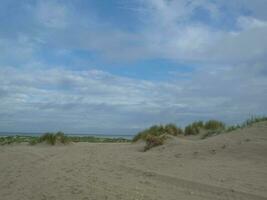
{"type": "Point", "coordinates": [80, 135]}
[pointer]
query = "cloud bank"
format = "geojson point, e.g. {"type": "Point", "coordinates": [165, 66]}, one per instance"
{"type": "Point", "coordinates": [78, 101]}
{"type": "Point", "coordinates": [56, 56]}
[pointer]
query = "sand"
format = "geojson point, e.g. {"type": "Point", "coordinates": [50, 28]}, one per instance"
{"type": "Point", "coordinates": [228, 166]}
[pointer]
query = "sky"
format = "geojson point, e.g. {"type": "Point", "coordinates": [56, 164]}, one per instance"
{"type": "Point", "coordinates": [119, 66]}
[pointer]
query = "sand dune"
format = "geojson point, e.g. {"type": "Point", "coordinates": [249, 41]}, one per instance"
{"type": "Point", "coordinates": [227, 166]}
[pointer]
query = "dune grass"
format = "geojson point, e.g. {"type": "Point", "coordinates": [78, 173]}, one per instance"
{"type": "Point", "coordinates": [209, 126]}
{"type": "Point", "coordinates": [223, 129]}
{"type": "Point", "coordinates": [153, 136]}
{"type": "Point", "coordinates": [50, 138]}
{"type": "Point", "coordinates": [153, 141]}
{"type": "Point", "coordinates": [191, 129]}
{"type": "Point", "coordinates": [156, 135]}
{"type": "Point", "coordinates": [158, 130]}
{"type": "Point", "coordinates": [171, 129]}
{"type": "Point", "coordinates": [249, 122]}
{"type": "Point", "coordinates": [214, 125]}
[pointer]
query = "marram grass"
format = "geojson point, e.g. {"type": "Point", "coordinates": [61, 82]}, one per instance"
{"type": "Point", "coordinates": [157, 134]}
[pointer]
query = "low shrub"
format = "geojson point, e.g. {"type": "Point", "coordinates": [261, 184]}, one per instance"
{"type": "Point", "coordinates": [153, 141]}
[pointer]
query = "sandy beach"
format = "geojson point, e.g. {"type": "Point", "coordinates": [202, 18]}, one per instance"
{"type": "Point", "coordinates": [227, 166]}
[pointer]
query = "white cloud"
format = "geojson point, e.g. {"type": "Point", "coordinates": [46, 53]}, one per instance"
{"type": "Point", "coordinates": [79, 101]}
{"type": "Point", "coordinates": [172, 34]}
{"type": "Point", "coordinates": [229, 83]}
{"type": "Point", "coordinates": [166, 30]}
{"type": "Point", "coordinates": [250, 23]}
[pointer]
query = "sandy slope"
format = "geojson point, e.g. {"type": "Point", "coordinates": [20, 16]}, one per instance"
{"type": "Point", "coordinates": [229, 166]}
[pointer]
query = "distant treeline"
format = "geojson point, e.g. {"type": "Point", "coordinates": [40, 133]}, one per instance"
{"type": "Point", "coordinates": [57, 138]}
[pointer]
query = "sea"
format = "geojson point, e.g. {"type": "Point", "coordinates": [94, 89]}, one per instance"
{"type": "Point", "coordinates": [125, 136]}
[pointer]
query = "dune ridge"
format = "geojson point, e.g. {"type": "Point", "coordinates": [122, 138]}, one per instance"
{"type": "Point", "coordinates": [226, 166]}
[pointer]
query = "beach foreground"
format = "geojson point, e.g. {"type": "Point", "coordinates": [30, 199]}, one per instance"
{"type": "Point", "coordinates": [227, 166]}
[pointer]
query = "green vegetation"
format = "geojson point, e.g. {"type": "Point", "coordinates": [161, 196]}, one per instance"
{"type": "Point", "coordinates": [157, 134]}
{"type": "Point", "coordinates": [56, 138]}
{"type": "Point", "coordinates": [249, 122]}
{"type": "Point", "coordinates": [51, 138]}
{"type": "Point", "coordinates": [191, 129]}
{"type": "Point", "coordinates": [210, 126]}
{"type": "Point", "coordinates": [253, 120]}
{"type": "Point", "coordinates": [169, 129]}
{"type": "Point", "coordinates": [214, 125]}
{"type": "Point", "coordinates": [172, 129]}
{"type": "Point", "coordinates": [198, 124]}
{"type": "Point", "coordinates": [153, 141]}
{"type": "Point", "coordinates": [15, 139]}
{"type": "Point", "coordinates": [223, 129]}
{"type": "Point", "coordinates": [153, 136]}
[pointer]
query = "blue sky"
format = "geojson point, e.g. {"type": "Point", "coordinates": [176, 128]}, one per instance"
{"type": "Point", "coordinates": [118, 66]}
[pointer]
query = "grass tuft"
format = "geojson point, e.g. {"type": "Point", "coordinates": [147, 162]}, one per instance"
{"type": "Point", "coordinates": [158, 130]}
{"type": "Point", "coordinates": [153, 141]}
{"type": "Point", "coordinates": [214, 125]}
{"type": "Point", "coordinates": [49, 138]}
{"type": "Point", "coordinates": [173, 130]}
{"type": "Point", "coordinates": [191, 130]}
